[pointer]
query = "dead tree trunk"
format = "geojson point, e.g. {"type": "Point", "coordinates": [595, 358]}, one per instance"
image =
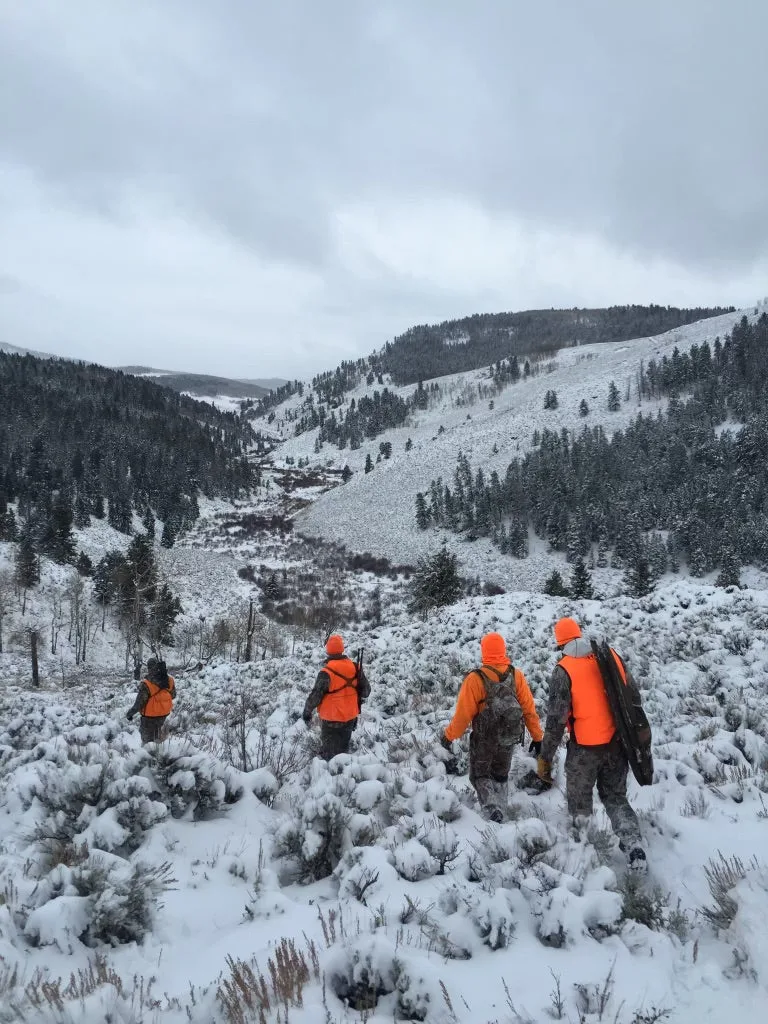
{"type": "Point", "coordinates": [33, 636]}
{"type": "Point", "coordinates": [249, 631]}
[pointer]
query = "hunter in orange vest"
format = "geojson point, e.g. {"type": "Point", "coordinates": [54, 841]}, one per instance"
{"type": "Point", "coordinates": [154, 701]}
{"type": "Point", "coordinates": [338, 693]}
{"type": "Point", "coordinates": [577, 701]}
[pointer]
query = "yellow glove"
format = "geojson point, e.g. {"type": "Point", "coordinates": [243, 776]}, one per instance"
{"type": "Point", "coordinates": [544, 770]}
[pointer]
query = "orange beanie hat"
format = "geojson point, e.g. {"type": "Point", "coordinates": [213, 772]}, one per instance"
{"type": "Point", "coordinates": [334, 644]}
{"type": "Point", "coordinates": [493, 649]}
{"type": "Point", "coordinates": [565, 630]}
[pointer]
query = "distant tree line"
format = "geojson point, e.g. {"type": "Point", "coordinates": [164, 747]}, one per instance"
{"type": "Point", "coordinates": [455, 346]}
{"type": "Point", "coordinates": [668, 487]}
{"type": "Point", "coordinates": [365, 418]}
{"type": "Point", "coordinates": [81, 441]}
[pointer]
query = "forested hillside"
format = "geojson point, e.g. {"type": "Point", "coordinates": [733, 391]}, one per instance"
{"type": "Point", "coordinates": [81, 440]}
{"type": "Point", "coordinates": [702, 489]}
{"type": "Point", "coordinates": [427, 351]}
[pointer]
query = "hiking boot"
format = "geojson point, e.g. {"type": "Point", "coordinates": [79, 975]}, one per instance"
{"type": "Point", "coordinates": [495, 814]}
{"type": "Point", "coordinates": [637, 859]}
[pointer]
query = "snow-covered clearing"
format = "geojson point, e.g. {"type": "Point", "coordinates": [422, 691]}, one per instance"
{"type": "Point", "coordinates": [345, 860]}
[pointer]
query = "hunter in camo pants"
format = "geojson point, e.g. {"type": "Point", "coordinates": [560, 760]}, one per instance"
{"type": "Point", "coordinates": [587, 765]}
{"type": "Point", "coordinates": [494, 700]}
{"type": "Point", "coordinates": [606, 767]}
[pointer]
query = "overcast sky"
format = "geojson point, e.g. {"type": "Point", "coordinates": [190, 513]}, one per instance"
{"type": "Point", "coordinates": [266, 188]}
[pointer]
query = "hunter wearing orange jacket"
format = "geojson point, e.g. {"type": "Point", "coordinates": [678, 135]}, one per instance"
{"type": "Point", "coordinates": [495, 700]}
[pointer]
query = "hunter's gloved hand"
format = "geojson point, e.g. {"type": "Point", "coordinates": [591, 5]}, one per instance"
{"type": "Point", "coordinates": [445, 743]}
{"type": "Point", "coordinates": [535, 747]}
{"type": "Point", "coordinates": [130, 715]}
{"type": "Point", "coordinates": [307, 717]}
{"type": "Point", "coordinates": [544, 770]}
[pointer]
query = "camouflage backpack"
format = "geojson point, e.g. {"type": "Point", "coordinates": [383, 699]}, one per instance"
{"type": "Point", "coordinates": [500, 715]}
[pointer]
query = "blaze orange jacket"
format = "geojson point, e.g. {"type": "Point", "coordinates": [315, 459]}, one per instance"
{"type": "Point", "coordinates": [160, 699]}
{"type": "Point", "coordinates": [592, 722]}
{"type": "Point", "coordinates": [472, 694]}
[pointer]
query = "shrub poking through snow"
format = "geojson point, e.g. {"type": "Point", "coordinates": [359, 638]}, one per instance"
{"type": "Point", "coordinates": [314, 840]}
{"type": "Point", "coordinates": [414, 861]}
{"type": "Point", "coordinates": [723, 875]}
{"type": "Point", "coordinates": [442, 842]}
{"type": "Point", "coordinates": [191, 782]}
{"type": "Point", "coordinates": [363, 975]}
{"type": "Point", "coordinates": [102, 901]}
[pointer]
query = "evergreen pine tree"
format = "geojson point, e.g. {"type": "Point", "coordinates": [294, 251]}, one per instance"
{"type": "Point", "coordinates": [8, 528]}
{"type": "Point", "coordinates": [638, 578]}
{"type": "Point", "coordinates": [614, 398]}
{"type": "Point", "coordinates": [368, 463]}
{"type": "Point", "coordinates": [673, 557]}
{"type": "Point", "coordinates": [27, 567]}
{"type": "Point", "coordinates": [408, 444]}
{"type": "Point", "coordinates": [165, 610]}
{"type": "Point", "coordinates": [730, 570]}
{"type": "Point", "coordinates": [58, 541]}
{"type": "Point", "coordinates": [148, 522]}
{"type": "Point", "coordinates": [84, 565]}
{"type": "Point", "coordinates": [272, 588]}
{"type": "Point", "coordinates": [581, 581]}
{"type": "Point", "coordinates": [168, 536]}
{"type": "Point", "coordinates": [517, 539]}
{"type": "Point", "coordinates": [583, 408]}
{"type": "Point", "coordinates": [436, 582]}
{"type": "Point", "coordinates": [422, 512]}
{"type": "Point", "coordinates": [657, 557]}
{"type": "Point", "coordinates": [346, 474]}
{"type": "Point", "coordinates": [602, 552]}
{"type": "Point", "coordinates": [554, 585]}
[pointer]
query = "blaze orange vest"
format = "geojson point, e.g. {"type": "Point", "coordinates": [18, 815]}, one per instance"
{"type": "Point", "coordinates": [160, 701]}
{"type": "Point", "coordinates": [591, 719]}
{"type": "Point", "coordinates": [340, 703]}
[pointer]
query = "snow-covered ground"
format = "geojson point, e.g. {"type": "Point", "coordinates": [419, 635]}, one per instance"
{"type": "Point", "coordinates": [170, 864]}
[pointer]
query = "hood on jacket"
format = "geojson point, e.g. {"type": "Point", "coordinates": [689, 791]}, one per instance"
{"type": "Point", "coordinates": [578, 648]}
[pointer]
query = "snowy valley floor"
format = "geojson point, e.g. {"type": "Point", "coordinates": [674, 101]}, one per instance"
{"type": "Point", "coordinates": [167, 884]}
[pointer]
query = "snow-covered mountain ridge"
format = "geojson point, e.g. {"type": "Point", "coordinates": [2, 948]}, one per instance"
{"type": "Point", "coordinates": [375, 511]}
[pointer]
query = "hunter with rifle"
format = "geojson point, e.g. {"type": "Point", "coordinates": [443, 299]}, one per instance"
{"type": "Point", "coordinates": [338, 695]}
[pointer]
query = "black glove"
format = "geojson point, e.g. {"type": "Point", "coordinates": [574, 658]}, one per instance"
{"type": "Point", "coordinates": [445, 742]}
{"type": "Point", "coordinates": [535, 747]}
{"type": "Point", "coordinates": [130, 715]}
{"type": "Point", "coordinates": [307, 717]}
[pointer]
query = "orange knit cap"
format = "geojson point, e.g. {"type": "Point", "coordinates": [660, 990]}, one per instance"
{"type": "Point", "coordinates": [493, 649]}
{"type": "Point", "coordinates": [566, 630]}
{"type": "Point", "coordinates": [334, 644]}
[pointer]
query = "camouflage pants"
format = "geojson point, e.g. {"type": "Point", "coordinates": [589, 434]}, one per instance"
{"type": "Point", "coordinates": [489, 764]}
{"type": "Point", "coordinates": [607, 767]}
{"type": "Point", "coordinates": [335, 737]}
{"type": "Point", "coordinates": [151, 728]}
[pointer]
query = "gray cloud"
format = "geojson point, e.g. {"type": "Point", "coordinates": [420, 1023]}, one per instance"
{"type": "Point", "coordinates": [340, 170]}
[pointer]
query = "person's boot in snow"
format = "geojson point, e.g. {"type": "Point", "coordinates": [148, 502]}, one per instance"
{"type": "Point", "coordinates": [637, 860]}
{"type": "Point", "coordinates": [494, 814]}
{"type": "Point", "coordinates": [579, 826]}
